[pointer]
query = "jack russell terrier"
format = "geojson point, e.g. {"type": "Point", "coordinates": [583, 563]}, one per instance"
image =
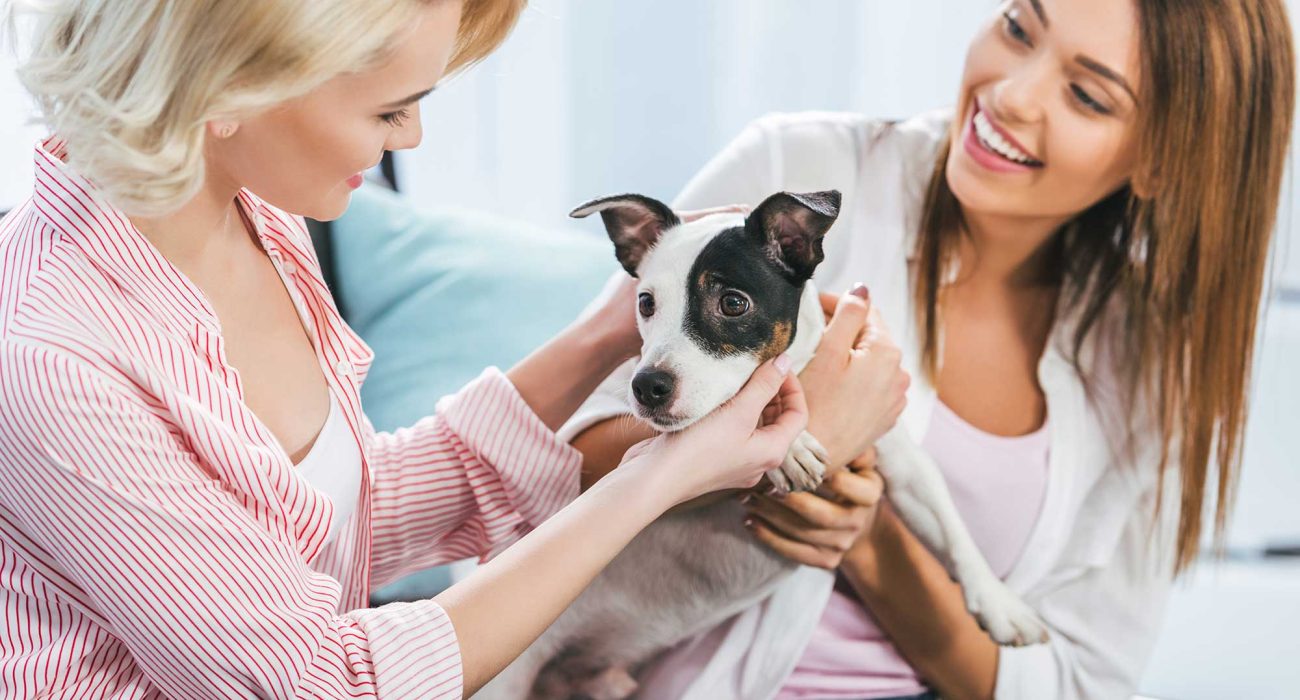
{"type": "Point", "coordinates": [716, 298]}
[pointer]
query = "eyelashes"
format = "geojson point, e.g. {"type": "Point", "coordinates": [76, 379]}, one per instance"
{"type": "Point", "coordinates": [1015, 32]}
{"type": "Point", "coordinates": [397, 118]}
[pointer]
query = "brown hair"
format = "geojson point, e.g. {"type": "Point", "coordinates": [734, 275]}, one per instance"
{"type": "Point", "coordinates": [1186, 261]}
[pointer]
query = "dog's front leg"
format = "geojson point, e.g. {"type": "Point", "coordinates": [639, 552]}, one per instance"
{"type": "Point", "coordinates": [918, 494]}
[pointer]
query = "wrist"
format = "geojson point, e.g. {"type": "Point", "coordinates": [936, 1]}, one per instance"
{"type": "Point", "coordinates": [861, 565]}
{"type": "Point", "coordinates": [604, 343]}
{"type": "Point", "coordinates": [644, 483]}
{"type": "Point", "coordinates": [829, 439]}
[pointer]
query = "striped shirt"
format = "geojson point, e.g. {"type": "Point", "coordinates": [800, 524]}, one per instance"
{"type": "Point", "coordinates": [155, 538]}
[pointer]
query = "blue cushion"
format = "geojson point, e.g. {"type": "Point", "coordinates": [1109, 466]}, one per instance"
{"type": "Point", "coordinates": [441, 295]}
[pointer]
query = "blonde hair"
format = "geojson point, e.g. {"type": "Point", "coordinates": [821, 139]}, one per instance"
{"type": "Point", "coordinates": [129, 85]}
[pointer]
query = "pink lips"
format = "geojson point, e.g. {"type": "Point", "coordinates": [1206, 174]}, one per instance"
{"type": "Point", "coordinates": [985, 157]}
{"type": "Point", "coordinates": [356, 180]}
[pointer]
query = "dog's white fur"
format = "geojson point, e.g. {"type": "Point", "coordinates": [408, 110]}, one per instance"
{"type": "Point", "coordinates": [691, 570]}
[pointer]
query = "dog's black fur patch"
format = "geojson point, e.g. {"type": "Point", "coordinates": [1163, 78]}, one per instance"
{"type": "Point", "coordinates": [733, 260]}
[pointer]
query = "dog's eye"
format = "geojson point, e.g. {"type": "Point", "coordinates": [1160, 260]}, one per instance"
{"type": "Point", "coordinates": [734, 304]}
{"type": "Point", "coordinates": [646, 304]}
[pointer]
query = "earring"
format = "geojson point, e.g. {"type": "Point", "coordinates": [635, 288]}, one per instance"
{"type": "Point", "coordinates": [227, 131]}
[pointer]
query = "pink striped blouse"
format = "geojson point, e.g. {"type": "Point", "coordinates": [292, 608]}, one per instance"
{"type": "Point", "coordinates": [155, 539]}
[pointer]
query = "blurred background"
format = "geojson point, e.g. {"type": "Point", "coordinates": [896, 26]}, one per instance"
{"type": "Point", "coordinates": [590, 97]}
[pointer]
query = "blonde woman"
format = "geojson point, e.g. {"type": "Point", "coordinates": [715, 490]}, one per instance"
{"type": "Point", "coordinates": [1072, 258]}
{"type": "Point", "coordinates": [192, 504]}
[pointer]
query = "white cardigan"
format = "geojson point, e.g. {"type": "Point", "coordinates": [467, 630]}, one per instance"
{"type": "Point", "coordinates": [1096, 565]}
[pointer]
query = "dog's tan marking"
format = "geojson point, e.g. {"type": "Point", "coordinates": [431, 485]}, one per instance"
{"type": "Point", "coordinates": [782, 333]}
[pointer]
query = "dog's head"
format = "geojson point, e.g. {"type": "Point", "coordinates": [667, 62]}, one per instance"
{"type": "Point", "coordinates": [716, 297]}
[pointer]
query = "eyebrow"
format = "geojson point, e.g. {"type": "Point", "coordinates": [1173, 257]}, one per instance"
{"type": "Point", "coordinates": [409, 99]}
{"type": "Point", "coordinates": [1038, 10]}
{"type": "Point", "coordinates": [1106, 73]}
{"type": "Point", "coordinates": [1086, 62]}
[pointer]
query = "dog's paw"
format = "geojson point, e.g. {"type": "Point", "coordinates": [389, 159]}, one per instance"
{"type": "Point", "coordinates": [1006, 618]}
{"type": "Point", "coordinates": [804, 466]}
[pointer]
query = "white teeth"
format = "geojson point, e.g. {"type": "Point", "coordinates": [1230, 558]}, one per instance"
{"type": "Point", "coordinates": [993, 141]}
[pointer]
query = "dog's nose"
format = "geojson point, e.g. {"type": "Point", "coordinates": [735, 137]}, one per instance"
{"type": "Point", "coordinates": [653, 388]}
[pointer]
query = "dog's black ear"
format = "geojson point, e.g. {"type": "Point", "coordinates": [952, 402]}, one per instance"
{"type": "Point", "coordinates": [791, 227]}
{"type": "Point", "coordinates": [634, 223]}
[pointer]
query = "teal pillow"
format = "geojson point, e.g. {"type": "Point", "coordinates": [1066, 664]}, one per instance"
{"type": "Point", "coordinates": [441, 295]}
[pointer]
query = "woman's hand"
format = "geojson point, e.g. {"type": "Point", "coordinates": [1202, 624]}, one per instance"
{"type": "Point", "coordinates": [819, 528]}
{"type": "Point", "coordinates": [855, 384]}
{"type": "Point", "coordinates": [733, 446]}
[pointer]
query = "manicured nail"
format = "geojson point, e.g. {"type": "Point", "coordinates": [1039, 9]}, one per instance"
{"type": "Point", "coordinates": [749, 522]}
{"type": "Point", "coordinates": [782, 363]}
{"type": "Point", "coordinates": [860, 291]}
{"type": "Point", "coordinates": [747, 499]}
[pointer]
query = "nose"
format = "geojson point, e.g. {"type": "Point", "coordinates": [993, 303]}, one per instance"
{"type": "Point", "coordinates": [653, 388]}
{"type": "Point", "coordinates": [1019, 98]}
{"type": "Point", "coordinates": [409, 134]}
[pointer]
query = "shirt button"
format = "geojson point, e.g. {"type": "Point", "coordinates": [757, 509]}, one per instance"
{"type": "Point", "coordinates": [344, 368]}
{"type": "Point", "coordinates": [290, 269]}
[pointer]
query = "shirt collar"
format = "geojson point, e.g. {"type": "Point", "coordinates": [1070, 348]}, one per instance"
{"type": "Point", "coordinates": [83, 216]}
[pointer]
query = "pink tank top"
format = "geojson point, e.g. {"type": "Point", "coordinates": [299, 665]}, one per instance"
{"type": "Point", "coordinates": [997, 484]}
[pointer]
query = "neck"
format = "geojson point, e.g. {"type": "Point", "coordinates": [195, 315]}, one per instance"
{"type": "Point", "coordinates": [208, 223]}
{"type": "Point", "coordinates": [1006, 251]}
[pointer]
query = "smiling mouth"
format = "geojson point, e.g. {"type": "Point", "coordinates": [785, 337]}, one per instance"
{"type": "Point", "coordinates": [994, 142]}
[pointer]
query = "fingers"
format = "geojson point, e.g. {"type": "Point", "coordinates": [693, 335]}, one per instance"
{"type": "Point", "coordinates": [798, 511]}
{"type": "Point", "coordinates": [862, 489]}
{"type": "Point", "coordinates": [793, 418]}
{"type": "Point", "coordinates": [849, 321]}
{"type": "Point", "coordinates": [829, 302]}
{"type": "Point", "coordinates": [876, 333]}
{"type": "Point", "coordinates": [794, 550]}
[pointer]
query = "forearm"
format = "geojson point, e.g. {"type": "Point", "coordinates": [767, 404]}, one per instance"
{"type": "Point", "coordinates": [922, 610]}
{"type": "Point", "coordinates": [557, 377]}
{"type": "Point", "coordinates": [506, 604]}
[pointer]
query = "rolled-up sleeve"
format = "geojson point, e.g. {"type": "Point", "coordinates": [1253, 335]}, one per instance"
{"type": "Point", "coordinates": [465, 481]}
{"type": "Point", "coordinates": [1103, 621]}
{"type": "Point", "coordinates": [205, 590]}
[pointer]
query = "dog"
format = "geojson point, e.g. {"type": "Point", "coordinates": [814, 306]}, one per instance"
{"type": "Point", "coordinates": [716, 298]}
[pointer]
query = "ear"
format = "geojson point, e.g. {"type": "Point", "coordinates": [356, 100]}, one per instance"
{"type": "Point", "coordinates": [634, 223]}
{"type": "Point", "coordinates": [222, 129]}
{"type": "Point", "coordinates": [791, 226]}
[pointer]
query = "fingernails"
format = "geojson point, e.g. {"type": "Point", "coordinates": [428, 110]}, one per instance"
{"type": "Point", "coordinates": [749, 523]}
{"type": "Point", "coordinates": [860, 291]}
{"type": "Point", "coordinates": [747, 499]}
{"type": "Point", "coordinates": [782, 363]}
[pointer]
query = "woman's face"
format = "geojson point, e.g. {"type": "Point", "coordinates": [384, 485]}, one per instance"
{"type": "Point", "coordinates": [307, 156]}
{"type": "Point", "coordinates": [1046, 116]}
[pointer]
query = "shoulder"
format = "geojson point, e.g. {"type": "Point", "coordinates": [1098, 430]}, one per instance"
{"type": "Point", "coordinates": [808, 140]}
{"type": "Point", "coordinates": [57, 305]}
{"type": "Point", "coordinates": [46, 281]}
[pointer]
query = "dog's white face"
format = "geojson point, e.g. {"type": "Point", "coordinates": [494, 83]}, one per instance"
{"type": "Point", "coordinates": [699, 367]}
{"type": "Point", "coordinates": [716, 297]}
